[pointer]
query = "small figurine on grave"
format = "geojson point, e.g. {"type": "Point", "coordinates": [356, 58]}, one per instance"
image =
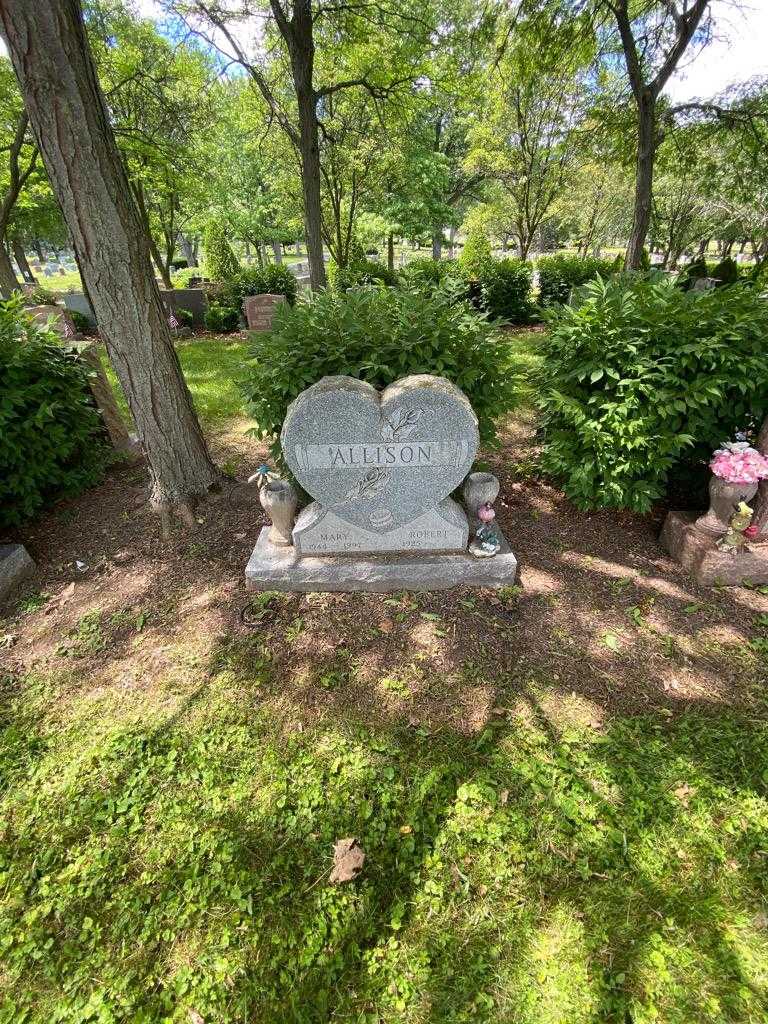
{"type": "Point", "coordinates": [279, 500]}
{"type": "Point", "coordinates": [487, 540]}
{"type": "Point", "coordinates": [735, 539]}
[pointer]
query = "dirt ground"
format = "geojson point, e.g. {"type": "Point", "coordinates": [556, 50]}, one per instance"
{"type": "Point", "coordinates": [602, 620]}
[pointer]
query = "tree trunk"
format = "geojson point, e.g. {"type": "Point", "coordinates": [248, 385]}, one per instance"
{"type": "Point", "coordinates": [8, 281]}
{"type": "Point", "coordinates": [646, 152]}
{"type": "Point", "coordinates": [277, 249]}
{"type": "Point", "coordinates": [49, 51]}
{"type": "Point", "coordinates": [298, 247]}
{"type": "Point", "coordinates": [437, 245]}
{"type": "Point", "coordinates": [189, 251]}
{"type": "Point", "coordinates": [298, 35]}
{"type": "Point", "coordinates": [21, 261]}
{"type": "Point", "coordinates": [38, 248]}
{"type": "Point", "coordinates": [760, 518]}
{"type": "Point", "coordinates": [451, 242]}
{"type": "Point", "coordinates": [703, 246]}
{"type": "Point", "coordinates": [390, 251]}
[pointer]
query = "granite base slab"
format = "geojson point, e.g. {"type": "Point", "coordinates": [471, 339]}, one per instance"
{"type": "Point", "coordinates": [15, 567]}
{"type": "Point", "coordinates": [272, 567]}
{"type": "Point", "coordinates": [697, 551]}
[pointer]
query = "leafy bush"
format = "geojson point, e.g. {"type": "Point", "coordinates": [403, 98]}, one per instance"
{"type": "Point", "coordinates": [82, 323]}
{"type": "Point", "coordinates": [424, 272]}
{"type": "Point", "coordinates": [693, 271]}
{"type": "Point", "coordinates": [272, 279]}
{"type": "Point", "coordinates": [221, 319]}
{"type": "Point", "coordinates": [561, 273]}
{"type": "Point", "coordinates": [476, 256]}
{"type": "Point", "coordinates": [377, 335]}
{"type": "Point", "coordinates": [52, 442]}
{"type": "Point", "coordinates": [40, 296]}
{"type": "Point", "coordinates": [726, 271]}
{"type": "Point", "coordinates": [642, 380]}
{"type": "Point", "coordinates": [220, 262]}
{"type": "Point", "coordinates": [359, 271]}
{"type": "Point", "coordinates": [506, 290]}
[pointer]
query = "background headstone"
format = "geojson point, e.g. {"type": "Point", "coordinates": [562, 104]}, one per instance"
{"type": "Point", "coordinates": [15, 567]}
{"type": "Point", "coordinates": [260, 309]}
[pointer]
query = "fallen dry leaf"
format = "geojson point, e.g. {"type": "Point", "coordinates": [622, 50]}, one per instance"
{"type": "Point", "coordinates": [503, 797]}
{"type": "Point", "coordinates": [684, 793]}
{"type": "Point", "coordinates": [386, 626]}
{"type": "Point", "coordinates": [348, 860]}
{"type": "Point", "coordinates": [405, 830]}
{"type": "Point", "coordinates": [195, 1017]}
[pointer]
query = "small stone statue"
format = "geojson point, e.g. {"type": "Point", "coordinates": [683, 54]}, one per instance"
{"type": "Point", "coordinates": [279, 500]}
{"type": "Point", "coordinates": [487, 540]}
{"type": "Point", "coordinates": [734, 540]}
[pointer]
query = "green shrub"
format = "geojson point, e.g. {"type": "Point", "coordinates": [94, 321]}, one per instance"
{"type": "Point", "coordinates": [476, 256]}
{"type": "Point", "coordinates": [642, 379]}
{"type": "Point", "coordinates": [272, 279]}
{"type": "Point", "coordinates": [377, 335]}
{"type": "Point", "coordinates": [506, 290]}
{"type": "Point", "coordinates": [726, 271]}
{"type": "Point", "coordinates": [52, 442]}
{"type": "Point", "coordinates": [220, 262]}
{"type": "Point", "coordinates": [221, 319]}
{"type": "Point", "coordinates": [40, 296]}
{"type": "Point", "coordinates": [359, 271]}
{"type": "Point", "coordinates": [693, 271]}
{"type": "Point", "coordinates": [82, 323]}
{"type": "Point", "coordinates": [561, 273]}
{"type": "Point", "coordinates": [424, 272]}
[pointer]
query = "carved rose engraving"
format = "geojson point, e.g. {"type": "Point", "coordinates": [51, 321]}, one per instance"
{"type": "Point", "coordinates": [401, 425]}
{"type": "Point", "coordinates": [368, 485]}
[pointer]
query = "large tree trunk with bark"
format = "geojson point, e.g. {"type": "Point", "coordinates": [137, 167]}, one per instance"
{"type": "Point", "coordinates": [437, 245]}
{"type": "Point", "coordinates": [8, 280]}
{"type": "Point", "coordinates": [390, 251]}
{"type": "Point", "coordinates": [49, 51]}
{"type": "Point", "coordinates": [277, 251]}
{"type": "Point", "coordinates": [299, 37]}
{"type": "Point", "coordinates": [646, 152]}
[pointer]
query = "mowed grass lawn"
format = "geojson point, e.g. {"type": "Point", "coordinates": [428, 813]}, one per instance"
{"type": "Point", "coordinates": [166, 834]}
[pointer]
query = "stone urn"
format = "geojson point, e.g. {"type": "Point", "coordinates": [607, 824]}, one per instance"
{"type": "Point", "coordinates": [724, 500]}
{"type": "Point", "coordinates": [279, 500]}
{"type": "Point", "coordinates": [479, 489]}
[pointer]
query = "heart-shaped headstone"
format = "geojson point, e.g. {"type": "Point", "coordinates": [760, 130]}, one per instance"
{"type": "Point", "coordinates": [380, 460]}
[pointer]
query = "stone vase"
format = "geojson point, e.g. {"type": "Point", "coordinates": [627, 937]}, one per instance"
{"type": "Point", "coordinates": [479, 489]}
{"type": "Point", "coordinates": [279, 500]}
{"type": "Point", "coordinates": [724, 499]}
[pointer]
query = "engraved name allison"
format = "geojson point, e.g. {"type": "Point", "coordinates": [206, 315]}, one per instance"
{"type": "Point", "coordinates": [408, 455]}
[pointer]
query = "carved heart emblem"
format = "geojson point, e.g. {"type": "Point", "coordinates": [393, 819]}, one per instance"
{"type": "Point", "coordinates": [380, 460]}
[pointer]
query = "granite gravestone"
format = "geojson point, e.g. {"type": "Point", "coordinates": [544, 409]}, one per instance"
{"type": "Point", "coordinates": [260, 310]}
{"type": "Point", "coordinates": [380, 466]}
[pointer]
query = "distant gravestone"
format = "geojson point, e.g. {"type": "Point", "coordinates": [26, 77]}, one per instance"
{"type": "Point", "coordinates": [260, 310]}
{"type": "Point", "coordinates": [380, 466]}
{"type": "Point", "coordinates": [56, 318]}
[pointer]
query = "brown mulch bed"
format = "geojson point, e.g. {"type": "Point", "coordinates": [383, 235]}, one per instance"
{"type": "Point", "coordinates": [602, 622]}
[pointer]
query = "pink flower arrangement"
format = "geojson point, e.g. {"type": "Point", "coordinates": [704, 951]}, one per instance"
{"type": "Point", "coordinates": [739, 463]}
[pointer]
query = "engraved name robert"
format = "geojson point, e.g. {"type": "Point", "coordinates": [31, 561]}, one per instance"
{"type": "Point", "coordinates": [413, 454]}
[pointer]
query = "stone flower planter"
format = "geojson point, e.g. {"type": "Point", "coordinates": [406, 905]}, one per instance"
{"type": "Point", "coordinates": [724, 499]}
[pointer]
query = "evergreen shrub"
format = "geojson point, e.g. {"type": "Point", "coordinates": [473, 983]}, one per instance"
{"type": "Point", "coordinates": [642, 380]}
{"type": "Point", "coordinates": [561, 273]}
{"type": "Point", "coordinates": [52, 441]}
{"type": "Point", "coordinates": [221, 264]}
